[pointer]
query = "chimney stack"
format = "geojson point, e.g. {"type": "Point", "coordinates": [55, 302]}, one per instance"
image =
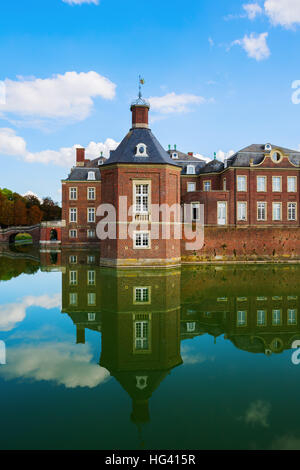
{"type": "Point", "coordinates": [191, 154]}
{"type": "Point", "coordinates": [80, 156]}
{"type": "Point", "coordinates": [140, 115]}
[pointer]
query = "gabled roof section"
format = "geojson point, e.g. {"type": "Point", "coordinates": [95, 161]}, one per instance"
{"type": "Point", "coordinates": [256, 152]}
{"type": "Point", "coordinates": [126, 151]}
{"type": "Point", "coordinates": [214, 166]}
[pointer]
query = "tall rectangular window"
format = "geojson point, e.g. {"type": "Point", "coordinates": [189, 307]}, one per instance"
{"type": "Point", "coordinates": [241, 318]}
{"type": "Point", "coordinates": [73, 215]}
{"type": "Point", "coordinates": [292, 316]}
{"type": "Point", "coordinates": [276, 317]}
{"type": "Point", "coordinates": [195, 211]}
{"type": "Point", "coordinates": [261, 211]}
{"type": "Point", "coordinates": [224, 184]}
{"type": "Point", "coordinates": [261, 318]}
{"type": "Point", "coordinates": [91, 275]}
{"type": "Point", "coordinates": [292, 211]}
{"type": "Point", "coordinates": [91, 233]}
{"type": "Point", "coordinates": [73, 298]}
{"type": "Point", "coordinates": [292, 184]}
{"type": "Point", "coordinates": [261, 184]}
{"type": "Point", "coordinates": [276, 211]}
{"type": "Point", "coordinates": [142, 240]}
{"type": "Point", "coordinates": [191, 187]}
{"type": "Point", "coordinates": [142, 198]}
{"type": "Point", "coordinates": [73, 194]}
{"type": "Point", "coordinates": [73, 233]}
{"type": "Point", "coordinates": [242, 211]}
{"type": "Point", "coordinates": [91, 298]}
{"type": "Point", "coordinates": [142, 335]}
{"type": "Point", "coordinates": [276, 184]}
{"type": "Point", "coordinates": [91, 214]}
{"type": "Point", "coordinates": [91, 194]}
{"type": "Point", "coordinates": [73, 278]}
{"type": "Point", "coordinates": [207, 185]}
{"type": "Point", "coordinates": [242, 183]}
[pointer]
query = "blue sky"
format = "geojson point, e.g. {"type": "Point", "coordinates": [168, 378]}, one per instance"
{"type": "Point", "coordinates": [218, 74]}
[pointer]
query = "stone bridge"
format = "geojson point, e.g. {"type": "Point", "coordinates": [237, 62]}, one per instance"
{"type": "Point", "coordinates": [8, 235]}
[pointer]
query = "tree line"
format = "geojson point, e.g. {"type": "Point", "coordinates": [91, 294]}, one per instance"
{"type": "Point", "coordinates": [26, 210]}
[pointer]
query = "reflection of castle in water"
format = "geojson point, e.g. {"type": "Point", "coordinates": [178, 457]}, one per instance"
{"type": "Point", "coordinates": [143, 316]}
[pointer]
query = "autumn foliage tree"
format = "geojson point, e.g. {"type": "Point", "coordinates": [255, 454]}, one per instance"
{"type": "Point", "coordinates": [28, 210]}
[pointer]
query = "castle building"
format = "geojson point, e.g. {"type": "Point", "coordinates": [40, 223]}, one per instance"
{"type": "Point", "coordinates": [256, 189]}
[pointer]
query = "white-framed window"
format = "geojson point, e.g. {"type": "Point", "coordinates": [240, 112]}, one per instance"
{"type": "Point", "coordinates": [207, 186]}
{"type": "Point", "coordinates": [242, 211]}
{"type": "Point", "coordinates": [73, 194]}
{"type": "Point", "coordinates": [222, 212]}
{"type": "Point", "coordinates": [73, 259]}
{"type": "Point", "coordinates": [261, 317]}
{"type": "Point", "coordinates": [224, 184]}
{"type": "Point", "coordinates": [91, 298]}
{"type": "Point", "coordinates": [91, 316]}
{"type": "Point", "coordinates": [190, 170]}
{"type": "Point", "coordinates": [276, 157]}
{"type": "Point", "coordinates": [73, 233]}
{"type": "Point", "coordinates": [142, 240]}
{"type": "Point", "coordinates": [191, 327]}
{"type": "Point", "coordinates": [276, 184]}
{"type": "Point", "coordinates": [91, 176]}
{"type": "Point", "coordinates": [261, 184]}
{"type": "Point", "coordinates": [73, 214]}
{"type": "Point", "coordinates": [73, 298]}
{"type": "Point", "coordinates": [277, 211]}
{"type": "Point", "coordinates": [91, 214]}
{"type": "Point", "coordinates": [276, 317]}
{"type": "Point", "coordinates": [141, 295]}
{"type": "Point", "coordinates": [292, 316]}
{"type": "Point", "coordinates": [242, 318]}
{"type": "Point", "coordinates": [261, 211]}
{"type": "Point", "coordinates": [191, 187]}
{"type": "Point", "coordinates": [141, 150]}
{"type": "Point", "coordinates": [91, 194]}
{"type": "Point", "coordinates": [292, 184]}
{"type": "Point", "coordinates": [242, 183]}
{"type": "Point", "coordinates": [141, 330]}
{"type": "Point", "coordinates": [91, 259]}
{"type": "Point", "coordinates": [91, 233]}
{"type": "Point", "coordinates": [195, 211]}
{"type": "Point", "coordinates": [175, 156]}
{"type": "Point", "coordinates": [73, 278]}
{"type": "Point", "coordinates": [292, 211]}
{"type": "Point", "coordinates": [91, 278]}
{"type": "Point", "coordinates": [141, 196]}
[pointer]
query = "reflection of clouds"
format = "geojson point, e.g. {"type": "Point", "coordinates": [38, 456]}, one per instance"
{"type": "Point", "coordinates": [287, 442]}
{"type": "Point", "coordinates": [257, 413]}
{"type": "Point", "coordinates": [191, 357]}
{"type": "Point", "coordinates": [11, 314]}
{"type": "Point", "coordinates": [61, 362]}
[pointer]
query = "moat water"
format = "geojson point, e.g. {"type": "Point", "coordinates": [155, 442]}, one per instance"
{"type": "Point", "coordinates": [193, 358]}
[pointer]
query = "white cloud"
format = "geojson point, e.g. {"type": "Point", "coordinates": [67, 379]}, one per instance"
{"type": "Point", "coordinates": [211, 42]}
{"type": "Point", "coordinates": [68, 96]}
{"type": "Point", "coordinates": [11, 144]}
{"type": "Point", "coordinates": [60, 362]}
{"type": "Point", "coordinates": [80, 2]}
{"type": "Point", "coordinates": [283, 12]}
{"type": "Point", "coordinates": [252, 10]}
{"type": "Point", "coordinates": [11, 314]}
{"type": "Point", "coordinates": [30, 193]}
{"type": "Point", "coordinates": [255, 45]}
{"type": "Point", "coordinates": [258, 413]}
{"type": "Point", "coordinates": [223, 155]}
{"type": "Point", "coordinates": [173, 103]}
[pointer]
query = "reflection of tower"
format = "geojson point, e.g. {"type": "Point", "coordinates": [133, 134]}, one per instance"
{"type": "Point", "coordinates": [141, 332]}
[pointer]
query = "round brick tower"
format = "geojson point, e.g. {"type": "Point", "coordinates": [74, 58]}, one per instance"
{"type": "Point", "coordinates": [142, 183]}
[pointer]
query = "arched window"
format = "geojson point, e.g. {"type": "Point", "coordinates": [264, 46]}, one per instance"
{"type": "Point", "coordinates": [141, 150]}
{"type": "Point", "coordinates": [190, 169]}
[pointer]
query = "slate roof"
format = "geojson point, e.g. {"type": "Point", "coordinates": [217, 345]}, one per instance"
{"type": "Point", "coordinates": [257, 153]}
{"type": "Point", "coordinates": [125, 152]}
{"type": "Point", "coordinates": [183, 157]}
{"type": "Point", "coordinates": [81, 174]}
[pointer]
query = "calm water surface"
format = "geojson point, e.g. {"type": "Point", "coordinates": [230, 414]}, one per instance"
{"type": "Point", "coordinates": [197, 358]}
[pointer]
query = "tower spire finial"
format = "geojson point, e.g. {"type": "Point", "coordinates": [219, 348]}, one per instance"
{"type": "Point", "coordinates": [141, 82]}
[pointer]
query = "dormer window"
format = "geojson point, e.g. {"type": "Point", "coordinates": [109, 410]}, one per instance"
{"type": "Point", "coordinates": [190, 169]}
{"type": "Point", "coordinates": [268, 147]}
{"type": "Point", "coordinates": [100, 162]}
{"type": "Point", "coordinates": [141, 150]}
{"type": "Point", "coordinates": [175, 156]}
{"type": "Point", "coordinates": [91, 176]}
{"type": "Point", "coordinates": [276, 157]}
